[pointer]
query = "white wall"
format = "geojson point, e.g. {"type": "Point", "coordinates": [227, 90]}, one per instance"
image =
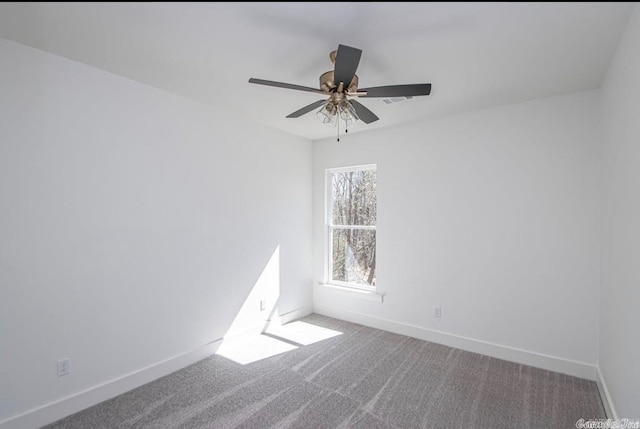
{"type": "Point", "coordinates": [620, 297]}
{"type": "Point", "coordinates": [133, 224]}
{"type": "Point", "coordinates": [492, 215]}
{"type": "Point", "coordinates": [116, 249]}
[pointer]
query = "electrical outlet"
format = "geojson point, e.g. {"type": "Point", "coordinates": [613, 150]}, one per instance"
{"type": "Point", "coordinates": [437, 312]}
{"type": "Point", "coordinates": [263, 305]}
{"type": "Point", "coordinates": [64, 367]}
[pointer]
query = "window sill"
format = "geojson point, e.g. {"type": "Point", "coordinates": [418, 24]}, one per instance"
{"type": "Point", "coordinates": [353, 292]}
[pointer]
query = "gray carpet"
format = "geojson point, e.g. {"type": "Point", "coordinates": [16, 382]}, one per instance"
{"type": "Point", "coordinates": [364, 378]}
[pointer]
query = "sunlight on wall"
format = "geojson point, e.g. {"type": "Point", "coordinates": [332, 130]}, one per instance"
{"type": "Point", "coordinates": [243, 342]}
{"type": "Point", "coordinates": [251, 337]}
{"type": "Point", "coordinates": [261, 301]}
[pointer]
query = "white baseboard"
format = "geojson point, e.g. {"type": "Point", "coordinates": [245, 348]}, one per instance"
{"type": "Point", "coordinates": [605, 396]}
{"type": "Point", "coordinates": [279, 320]}
{"type": "Point", "coordinates": [292, 315]}
{"type": "Point", "coordinates": [56, 410]}
{"type": "Point", "coordinates": [512, 354]}
{"type": "Point", "coordinates": [53, 411]}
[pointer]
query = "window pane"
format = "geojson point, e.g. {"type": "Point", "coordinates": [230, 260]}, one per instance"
{"type": "Point", "coordinates": [354, 256]}
{"type": "Point", "coordinates": [354, 197]}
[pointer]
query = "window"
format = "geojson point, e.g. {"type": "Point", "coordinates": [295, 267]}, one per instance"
{"type": "Point", "coordinates": [351, 226]}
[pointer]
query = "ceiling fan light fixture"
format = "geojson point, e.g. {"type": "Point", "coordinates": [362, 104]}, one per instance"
{"type": "Point", "coordinates": [330, 113]}
{"type": "Point", "coordinates": [327, 114]}
{"type": "Point", "coordinates": [347, 112]}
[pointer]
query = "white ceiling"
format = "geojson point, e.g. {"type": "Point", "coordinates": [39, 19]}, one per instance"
{"type": "Point", "coordinates": [475, 55]}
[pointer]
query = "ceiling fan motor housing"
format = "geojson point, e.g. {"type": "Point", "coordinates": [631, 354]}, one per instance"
{"type": "Point", "coordinates": [328, 85]}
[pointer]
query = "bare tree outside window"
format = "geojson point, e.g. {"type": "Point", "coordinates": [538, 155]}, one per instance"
{"type": "Point", "coordinates": [352, 226]}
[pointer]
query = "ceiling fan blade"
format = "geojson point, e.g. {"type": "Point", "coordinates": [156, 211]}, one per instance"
{"type": "Point", "coordinates": [306, 109]}
{"type": "Point", "coordinates": [347, 60]}
{"type": "Point", "coordinates": [285, 85]}
{"type": "Point", "coordinates": [411, 90]}
{"type": "Point", "coordinates": [364, 114]}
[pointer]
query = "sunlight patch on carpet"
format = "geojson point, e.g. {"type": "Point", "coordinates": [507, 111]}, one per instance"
{"type": "Point", "coordinates": [244, 349]}
{"type": "Point", "coordinates": [303, 333]}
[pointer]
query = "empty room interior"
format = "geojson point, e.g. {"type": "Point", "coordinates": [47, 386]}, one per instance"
{"type": "Point", "coordinates": [336, 215]}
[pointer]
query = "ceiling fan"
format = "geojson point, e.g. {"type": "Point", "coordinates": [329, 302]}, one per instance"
{"type": "Point", "coordinates": [341, 86]}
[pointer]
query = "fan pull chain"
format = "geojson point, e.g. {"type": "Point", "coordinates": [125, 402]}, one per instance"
{"type": "Point", "coordinates": [338, 127]}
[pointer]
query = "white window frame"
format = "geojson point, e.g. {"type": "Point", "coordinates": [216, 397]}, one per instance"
{"type": "Point", "coordinates": [329, 227]}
